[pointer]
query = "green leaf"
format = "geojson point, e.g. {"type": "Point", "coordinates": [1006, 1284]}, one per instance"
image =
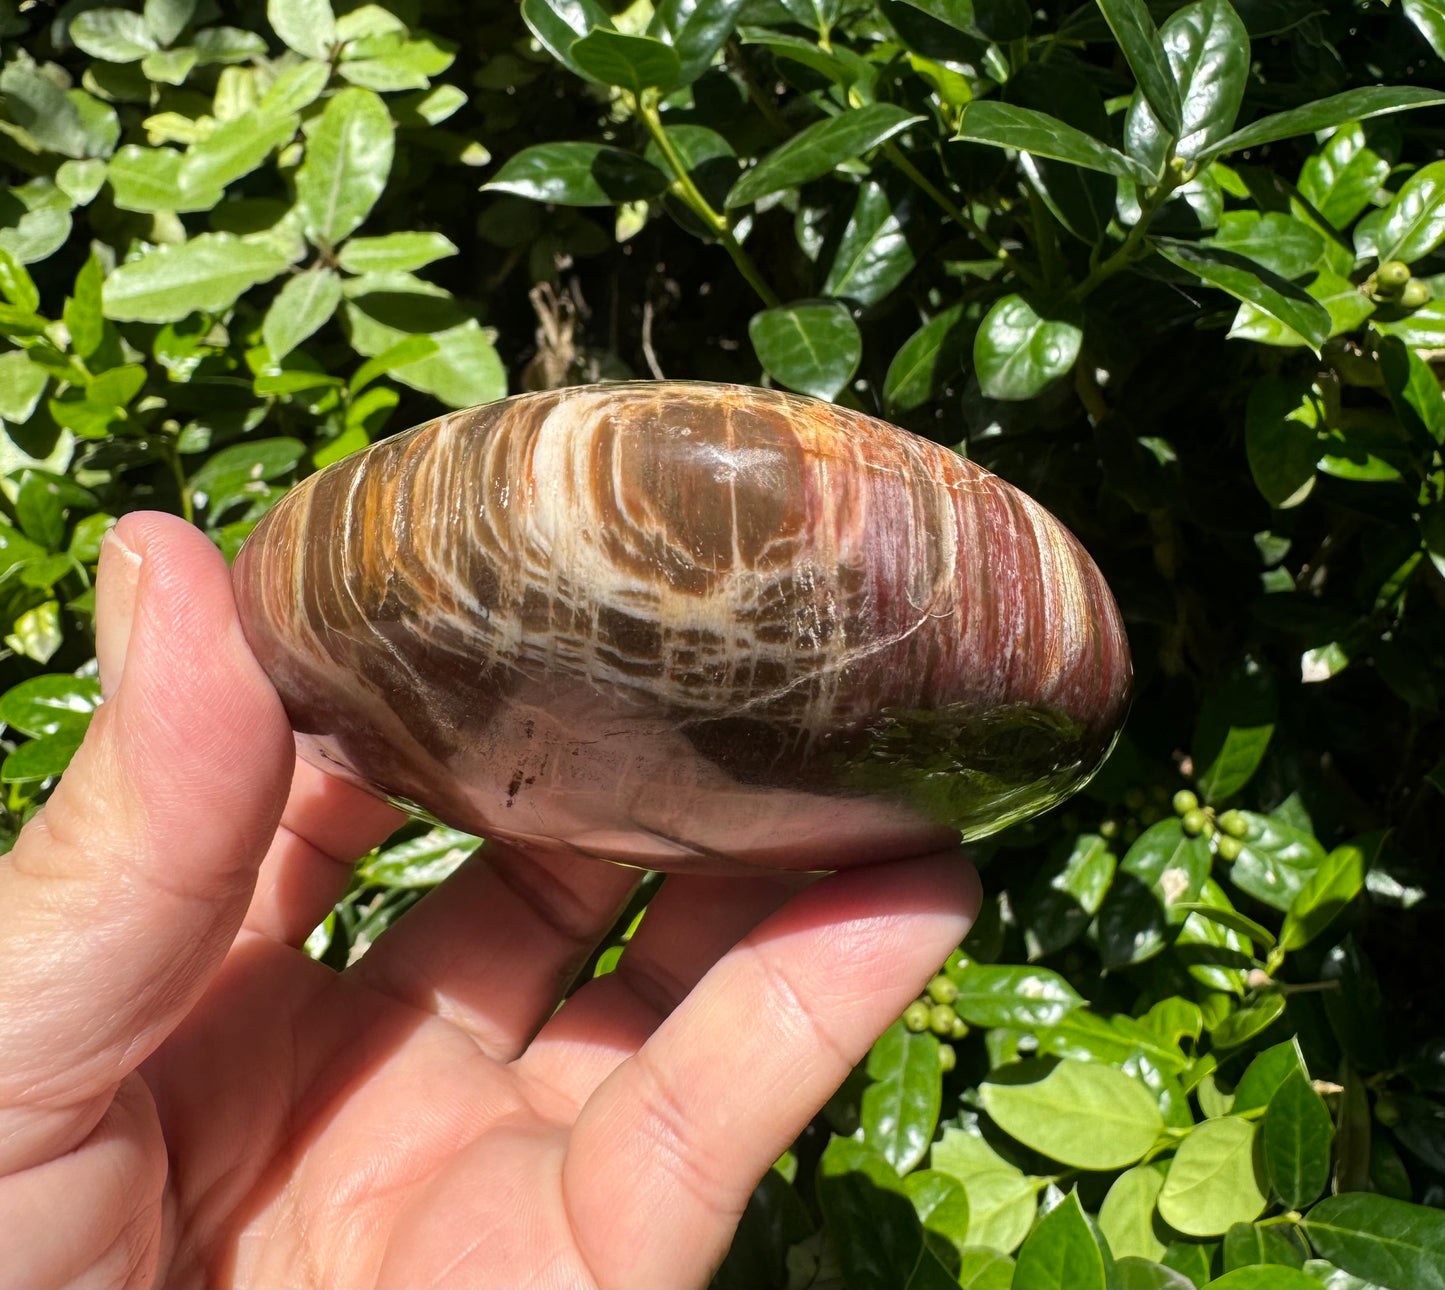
{"type": "Point", "coordinates": [578, 174]}
{"type": "Point", "coordinates": [148, 180]}
{"type": "Point", "coordinates": [295, 89]}
{"type": "Point", "coordinates": [981, 1268]}
{"type": "Point", "coordinates": [1330, 888]}
{"type": "Point", "coordinates": [1232, 919]}
{"type": "Point", "coordinates": [44, 111]}
{"type": "Point", "coordinates": [696, 30]}
{"type": "Point", "coordinates": [410, 350]}
{"type": "Point", "coordinates": [873, 255]}
{"type": "Point", "coordinates": [1208, 51]}
{"type": "Point", "coordinates": [207, 273]}
{"type": "Point", "coordinates": [1296, 1134]}
{"type": "Point", "coordinates": [1236, 722]}
{"type": "Point", "coordinates": [419, 862]}
{"type": "Point", "coordinates": [408, 65]}
{"type": "Point", "coordinates": [926, 360]}
{"type": "Point", "coordinates": [307, 26]}
{"type": "Point", "coordinates": [1246, 280]}
{"type": "Point", "coordinates": [900, 1107]}
{"type": "Point", "coordinates": [1007, 126]}
{"type": "Point", "coordinates": [37, 635]}
{"type": "Point", "coordinates": [942, 1207]}
{"type": "Point", "coordinates": [1133, 27]}
{"type": "Point", "coordinates": [1083, 1114]}
{"type": "Point", "coordinates": [1356, 1007]}
{"type": "Point", "coordinates": [81, 180]}
{"type": "Point", "coordinates": [1211, 1184]}
{"type": "Point", "coordinates": [1265, 1276]}
{"type": "Point", "coordinates": [243, 470]}
{"type": "Point", "coordinates": [1390, 1242]}
{"type": "Point", "coordinates": [1414, 223]}
{"type": "Point", "coordinates": [1067, 894]}
{"type": "Point", "coordinates": [1251, 1243]}
{"type": "Point", "coordinates": [1162, 869]}
{"type": "Point", "coordinates": [39, 758]}
{"type": "Point", "coordinates": [394, 252]}
{"type": "Point", "coordinates": [874, 1226]}
{"type": "Point", "coordinates": [231, 44]}
{"type": "Point", "coordinates": [1062, 1252]}
{"type": "Point", "coordinates": [1126, 1217]}
{"type": "Point", "coordinates": [166, 19]}
{"type": "Point", "coordinates": [1326, 114]}
{"type": "Point", "coordinates": [634, 63]}
{"type": "Point", "coordinates": [1342, 175]}
{"type": "Point", "coordinates": [1001, 1200]}
{"type": "Point", "coordinates": [16, 284]}
{"type": "Point", "coordinates": [1281, 439]}
{"type": "Point", "coordinates": [51, 705]}
{"type": "Point", "coordinates": [1019, 351]}
{"type": "Point", "coordinates": [1413, 389]}
{"type": "Point", "coordinates": [234, 148]}
{"type": "Point", "coordinates": [1429, 18]}
{"type": "Point", "coordinates": [300, 309]}
{"type": "Point", "coordinates": [558, 23]}
{"type": "Point", "coordinates": [82, 315]}
{"type": "Point", "coordinates": [1275, 860]}
{"type": "Point", "coordinates": [1010, 995]}
{"type": "Point", "coordinates": [813, 347]}
{"type": "Point", "coordinates": [169, 66]}
{"type": "Point", "coordinates": [348, 159]}
{"type": "Point", "coordinates": [1282, 244]}
{"type": "Point", "coordinates": [114, 35]}
{"type": "Point", "coordinates": [1143, 1274]}
{"type": "Point", "coordinates": [21, 385]}
{"type": "Point", "coordinates": [815, 151]}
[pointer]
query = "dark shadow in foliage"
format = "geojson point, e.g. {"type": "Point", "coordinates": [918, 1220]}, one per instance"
{"type": "Point", "coordinates": [774, 1220]}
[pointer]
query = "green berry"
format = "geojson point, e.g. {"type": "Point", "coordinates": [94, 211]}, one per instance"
{"type": "Point", "coordinates": [959, 1029]}
{"type": "Point", "coordinates": [1109, 829]}
{"type": "Point", "coordinates": [941, 1018]}
{"type": "Point", "coordinates": [1229, 848]}
{"type": "Point", "coordinates": [1415, 294]}
{"type": "Point", "coordinates": [1234, 824]}
{"type": "Point", "coordinates": [1386, 1112]}
{"type": "Point", "coordinates": [942, 989]}
{"type": "Point", "coordinates": [916, 1017]}
{"type": "Point", "coordinates": [1194, 821]}
{"type": "Point", "coordinates": [1392, 275]}
{"type": "Point", "coordinates": [947, 1058]}
{"type": "Point", "coordinates": [1185, 801]}
{"type": "Point", "coordinates": [1134, 798]}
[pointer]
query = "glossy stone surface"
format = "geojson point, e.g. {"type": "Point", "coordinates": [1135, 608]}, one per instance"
{"type": "Point", "coordinates": [686, 626]}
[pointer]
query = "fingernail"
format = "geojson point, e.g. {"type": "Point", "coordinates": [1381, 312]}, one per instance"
{"type": "Point", "coordinates": [119, 571]}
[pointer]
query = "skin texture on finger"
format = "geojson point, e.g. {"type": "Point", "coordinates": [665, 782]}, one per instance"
{"type": "Point", "coordinates": [326, 826]}
{"type": "Point", "coordinates": [690, 924]}
{"type": "Point", "coordinates": [123, 895]}
{"type": "Point", "coordinates": [685, 1132]}
{"type": "Point", "coordinates": [492, 949]}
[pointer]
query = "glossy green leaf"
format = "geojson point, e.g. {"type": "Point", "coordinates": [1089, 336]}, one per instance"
{"type": "Point", "coordinates": [1265, 1276]}
{"type": "Point", "coordinates": [1331, 887]}
{"type": "Point", "coordinates": [814, 151]}
{"type": "Point", "coordinates": [1127, 1217]}
{"type": "Point", "coordinates": [1208, 51]}
{"type": "Point", "coordinates": [115, 35]}
{"type": "Point", "coordinates": [578, 174]}
{"type": "Point", "coordinates": [1414, 223]}
{"type": "Point", "coordinates": [1164, 867]}
{"type": "Point", "coordinates": [387, 66]}
{"type": "Point", "coordinates": [149, 180]}
{"type": "Point", "coordinates": [1413, 390]}
{"type": "Point", "coordinates": [1251, 282]}
{"type": "Point", "coordinates": [1018, 351]}
{"type": "Point", "coordinates": [243, 470]}
{"type": "Point", "coordinates": [634, 63]}
{"type": "Point", "coordinates": [1233, 919]}
{"type": "Point", "coordinates": [1026, 130]}
{"type": "Point", "coordinates": [295, 89]}
{"type": "Point", "coordinates": [1429, 19]}
{"type": "Point", "coordinates": [1001, 1200]}
{"type": "Point", "coordinates": [1282, 244]}
{"type": "Point", "coordinates": [558, 24]}
{"type": "Point", "coordinates": [206, 273]}
{"type": "Point", "coordinates": [419, 862]}
{"type": "Point", "coordinates": [1264, 1075]}
{"type": "Point", "coordinates": [874, 1226]}
{"type": "Point", "coordinates": [1355, 1006]}
{"type": "Point", "coordinates": [873, 255]}
{"type": "Point", "coordinates": [1236, 723]}
{"type": "Point", "coordinates": [1241, 1027]}
{"type": "Point", "coordinates": [1062, 1252]}
{"type": "Point", "coordinates": [696, 30]}
{"type": "Point", "coordinates": [231, 44]}
{"type": "Point", "coordinates": [41, 108]}
{"type": "Point", "coordinates": [1132, 1273]}
{"type": "Point", "coordinates": [233, 149]}
{"type": "Point", "coordinates": [21, 385]}
{"type": "Point", "coordinates": [980, 1268]}
{"type": "Point", "coordinates": [300, 309]}
{"type": "Point", "coordinates": [348, 159]}
{"type": "Point", "coordinates": [1390, 1242]}
{"type": "Point", "coordinates": [813, 347]}
{"type": "Point", "coordinates": [1342, 175]}
{"type": "Point", "coordinates": [1083, 1114]}
{"type": "Point", "coordinates": [941, 1204]}
{"type": "Point", "coordinates": [1251, 1243]}
{"type": "Point", "coordinates": [1326, 114]}
{"type": "Point", "coordinates": [1275, 860]}
{"type": "Point", "coordinates": [1067, 894]}
{"type": "Point", "coordinates": [83, 316]}
{"type": "Point", "coordinates": [1212, 1183]}
{"type": "Point", "coordinates": [1296, 1134]}
{"type": "Point", "coordinates": [394, 252]}
{"type": "Point", "coordinates": [927, 359]}
{"type": "Point", "coordinates": [51, 705]}
{"type": "Point", "coordinates": [900, 1106]}
{"type": "Point", "coordinates": [307, 26]}
{"type": "Point", "coordinates": [38, 759]}
{"type": "Point", "coordinates": [1009, 995]}
{"type": "Point", "coordinates": [166, 19]}
{"type": "Point", "coordinates": [1133, 27]}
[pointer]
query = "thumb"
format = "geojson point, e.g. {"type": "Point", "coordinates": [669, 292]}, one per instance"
{"type": "Point", "coordinates": [124, 893]}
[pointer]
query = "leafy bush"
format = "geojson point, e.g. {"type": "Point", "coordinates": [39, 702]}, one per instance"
{"type": "Point", "coordinates": [1178, 282]}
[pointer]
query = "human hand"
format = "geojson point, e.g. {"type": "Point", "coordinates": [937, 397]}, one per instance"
{"type": "Point", "coordinates": [185, 1097]}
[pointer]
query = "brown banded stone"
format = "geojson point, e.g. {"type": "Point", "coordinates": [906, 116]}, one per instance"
{"type": "Point", "coordinates": [686, 626]}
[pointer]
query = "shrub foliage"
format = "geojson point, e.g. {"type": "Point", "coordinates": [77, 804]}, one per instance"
{"type": "Point", "coordinates": [1172, 269]}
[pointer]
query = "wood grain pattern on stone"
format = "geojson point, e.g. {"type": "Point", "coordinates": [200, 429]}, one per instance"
{"type": "Point", "coordinates": [686, 626]}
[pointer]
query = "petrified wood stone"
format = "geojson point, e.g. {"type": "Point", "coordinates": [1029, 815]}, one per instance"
{"type": "Point", "coordinates": [686, 626]}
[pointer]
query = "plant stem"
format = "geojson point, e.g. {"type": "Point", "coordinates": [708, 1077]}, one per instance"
{"type": "Point", "coordinates": [1129, 249]}
{"type": "Point", "coordinates": [954, 212]}
{"type": "Point", "coordinates": [688, 191]}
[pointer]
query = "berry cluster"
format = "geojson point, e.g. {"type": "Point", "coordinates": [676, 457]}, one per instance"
{"type": "Point", "coordinates": [1198, 820]}
{"type": "Point", "coordinates": [933, 1010]}
{"type": "Point", "coordinates": [1393, 283]}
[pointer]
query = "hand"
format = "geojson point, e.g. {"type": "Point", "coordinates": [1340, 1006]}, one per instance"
{"type": "Point", "coordinates": [185, 1097]}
